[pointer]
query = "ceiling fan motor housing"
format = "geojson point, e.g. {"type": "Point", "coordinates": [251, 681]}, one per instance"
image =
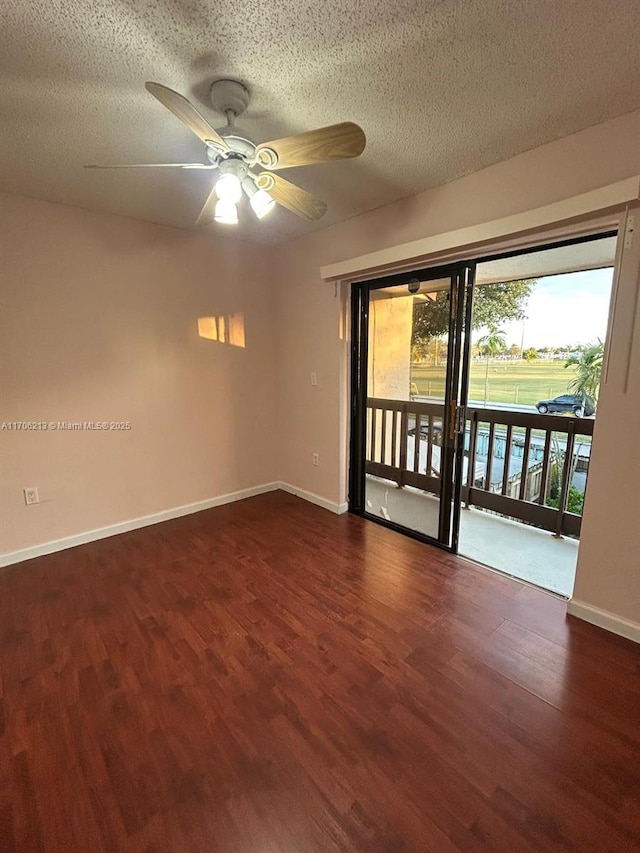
{"type": "Point", "coordinates": [234, 164]}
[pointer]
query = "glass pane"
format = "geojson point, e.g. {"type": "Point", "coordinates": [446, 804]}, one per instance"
{"type": "Point", "coordinates": [408, 341]}
{"type": "Point", "coordinates": [538, 327]}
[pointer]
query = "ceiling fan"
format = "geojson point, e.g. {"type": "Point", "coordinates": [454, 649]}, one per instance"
{"type": "Point", "coordinates": [248, 168]}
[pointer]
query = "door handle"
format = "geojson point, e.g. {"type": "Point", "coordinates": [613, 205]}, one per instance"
{"type": "Point", "coordinates": [456, 420]}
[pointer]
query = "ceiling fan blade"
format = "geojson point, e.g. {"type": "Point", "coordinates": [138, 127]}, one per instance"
{"type": "Point", "coordinates": [208, 209]}
{"type": "Point", "coordinates": [151, 166]}
{"type": "Point", "coordinates": [292, 197]}
{"type": "Point", "coordinates": [186, 112]}
{"type": "Point", "coordinates": [336, 142]}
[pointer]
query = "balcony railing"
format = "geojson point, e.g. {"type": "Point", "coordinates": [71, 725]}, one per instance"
{"type": "Point", "coordinates": [513, 461]}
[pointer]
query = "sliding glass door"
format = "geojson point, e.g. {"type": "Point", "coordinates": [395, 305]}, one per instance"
{"type": "Point", "coordinates": [408, 346]}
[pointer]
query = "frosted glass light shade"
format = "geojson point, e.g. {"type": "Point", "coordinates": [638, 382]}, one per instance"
{"type": "Point", "coordinates": [262, 203]}
{"type": "Point", "coordinates": [226, 212]}
{"type": "Point", "coordinates": [229, 188]}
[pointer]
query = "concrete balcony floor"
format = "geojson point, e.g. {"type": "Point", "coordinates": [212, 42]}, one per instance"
{"type": "Point", "coordinates": [516, 549]}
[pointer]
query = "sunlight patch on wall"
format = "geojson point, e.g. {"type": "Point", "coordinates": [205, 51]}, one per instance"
{"type": "Point", "coordinates": [225, 329]}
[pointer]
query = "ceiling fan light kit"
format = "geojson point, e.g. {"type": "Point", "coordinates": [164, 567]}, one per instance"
{"type": "Point", "coordinates": [229, 188]}
{"type": "Point", "coordinates": [226, 212]}
{"type": "Point", "coordinates": [260, 200]}
{"type": "Point", "coordinates": [242, 164]}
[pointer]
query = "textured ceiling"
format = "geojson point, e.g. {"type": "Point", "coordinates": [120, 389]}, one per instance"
{"type": "Point", "coordinates": [441, 88]}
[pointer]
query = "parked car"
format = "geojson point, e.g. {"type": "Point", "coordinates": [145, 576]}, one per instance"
{"type": "Point", "coordinates": [568, 403]}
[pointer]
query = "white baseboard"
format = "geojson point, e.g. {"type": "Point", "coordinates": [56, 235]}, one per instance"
{"type": "Point", "coordinates": [338, 509]}
{"type": "Point", "coordinates": [604, 619]}
{"type": "Point", "coordinates": [158, 517]}
{"type": "Point", "coordinates": [132, 524]}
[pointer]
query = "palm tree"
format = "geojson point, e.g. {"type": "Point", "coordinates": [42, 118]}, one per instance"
{"type": "Point", "coordinates": [491, 345]}
{"type": "Point", "coordinates": [588, 367]}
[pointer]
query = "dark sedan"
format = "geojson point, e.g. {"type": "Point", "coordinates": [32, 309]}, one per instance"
{"type": "Point", "coordinates": [568, 403]}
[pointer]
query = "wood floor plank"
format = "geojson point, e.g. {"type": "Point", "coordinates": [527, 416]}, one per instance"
{"type": "Point", "coordinates": [269, 676]}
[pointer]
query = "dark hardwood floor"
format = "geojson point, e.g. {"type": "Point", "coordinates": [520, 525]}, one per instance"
{"type": "Point", "coordinates": [266, 676]}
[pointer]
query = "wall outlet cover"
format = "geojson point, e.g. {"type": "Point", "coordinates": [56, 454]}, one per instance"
{"type": "Point", "coordinates": [31, 496]}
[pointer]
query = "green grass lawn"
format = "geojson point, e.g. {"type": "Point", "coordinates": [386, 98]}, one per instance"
{"type": "Point", "coordinates": [509, 381]}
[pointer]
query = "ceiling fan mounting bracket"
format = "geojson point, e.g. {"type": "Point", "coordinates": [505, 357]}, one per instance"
{"type": "Point", "coordinates": [229, 96]}
{"type": "Point", "coordinates": [265, 182]}
{"type": "Point", "coordinates": [214, 149]}
{"type": "Point", "coordinates": [268, 158]}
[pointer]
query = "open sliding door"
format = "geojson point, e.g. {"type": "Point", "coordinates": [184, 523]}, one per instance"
{"type": "Point", "coordinates": [408, 382]}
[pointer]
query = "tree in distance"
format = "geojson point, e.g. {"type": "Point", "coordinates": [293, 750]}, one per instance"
{"type": "Point", "coordinates": [588, 367]}
{"type": "Point", "coordinates": [493, 304]}
{"type": "Point", "coordinates": [491, 345]}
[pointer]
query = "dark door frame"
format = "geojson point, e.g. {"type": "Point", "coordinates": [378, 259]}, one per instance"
{"type": "Point", "coordinates": [451, 463]}
{"type": "Point", "coordinates": [458, 368]}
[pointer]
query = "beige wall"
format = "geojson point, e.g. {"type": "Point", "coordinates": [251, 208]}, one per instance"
{"type": "Point", "coordinates": [390, 327]}
{"type": "Point", "coordinates": [98, 322]}
{"type": "Point", "coordinates": [608, 574]}
{"type": "Point", "coordinates": [311, 317]}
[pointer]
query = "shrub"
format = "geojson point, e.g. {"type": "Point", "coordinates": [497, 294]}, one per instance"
{"type": "Point", "coordinates": [575, 501]}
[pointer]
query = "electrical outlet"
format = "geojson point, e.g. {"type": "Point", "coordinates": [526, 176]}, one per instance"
{"type": "Point", "coordinates": [316, 459]}
{"type": "Point", "coordinates": [31, 496]}
{"type": "Point", "coordinates": [314, 378]}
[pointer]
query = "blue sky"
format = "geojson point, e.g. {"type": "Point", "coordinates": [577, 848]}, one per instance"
{"type": "Point", "coordinates": [570, 308]}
